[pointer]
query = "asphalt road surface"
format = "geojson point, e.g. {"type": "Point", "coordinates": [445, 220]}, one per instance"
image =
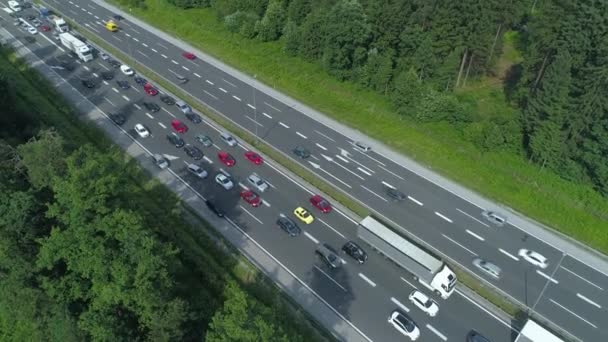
{"type": "Point", "coordinates": [568, 292]}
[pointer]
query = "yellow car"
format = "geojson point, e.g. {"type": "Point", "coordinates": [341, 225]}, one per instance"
{"type": "Point", "coordinates": [111, 26]}
{"type": "Point", "coordinates": [303, 215]}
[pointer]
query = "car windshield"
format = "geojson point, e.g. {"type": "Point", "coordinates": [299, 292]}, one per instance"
{"type": "Point", "coordinates": [428, 303]}
{"type": "Point", "coordinates": [407, 324]}
{"type": "Point", "coordinates": [331, 257]}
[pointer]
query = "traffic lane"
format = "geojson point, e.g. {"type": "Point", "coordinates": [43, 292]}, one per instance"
{"type": "Point", "coordinates": [587, 275]}
{"type": "Point", "coordinates": [588, 299]}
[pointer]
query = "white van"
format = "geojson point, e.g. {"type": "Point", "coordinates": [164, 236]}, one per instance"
{"type": "Point", "coordinates": [14, 5]}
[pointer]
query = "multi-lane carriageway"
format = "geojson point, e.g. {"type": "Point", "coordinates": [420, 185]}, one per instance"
{"type": "Point", "coordinates": [568, 292]}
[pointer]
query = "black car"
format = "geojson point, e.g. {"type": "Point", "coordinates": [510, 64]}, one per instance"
{"type": "Point", "coordinates": [395, 194]}
{"type": "Point", "coordinates": [288, 226]}
{"type": "Point", "coordinates": [140, 80]}
{"type": "Point", "coordinates": [214, 209]}
{"type": "Point", "coordinates": [175, 140]}
{"type": "Point", "coordinates": [329, 256]}
{"type": "Point", "coordinates": [151, 106]}
{"type": "Point", "coordinates": [30, 39]}
{"type": "Point", "coordinates": [123, 84]}
{"type": "Point", "coordinates": [301, 152]}
{"type": "Point", "coordinates": [118, 118]}
{"type": "Point", "coordinates": [181, 79]}
{"type": "Point", "coordinates": [355, 252]}
{"type": "Point", "coordinates": [89, 83]}
{"type": "Point", "coordinates": [114, 63]}
{"type": "Point", "coordinates": [67, 66]}
{"type": "Point", "coordinates": [195, 118]}
{"type": "Point", "coordinates": [193, 152]}
{"type": "Point", "coordinates": [107, 75]}
{"type": "Point", "coordinates": [30, 17]}
{"type": "Point", "coordinates": [167, 100]}
{"type": "Point", "coordinates": [118, 17]}
{"type": "Point", "coordinates": [474, 336]}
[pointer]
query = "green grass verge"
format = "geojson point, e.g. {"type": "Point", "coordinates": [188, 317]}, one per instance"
{"type": "Point", "coordinates": [37, 95]}
{"type": "Point", "coordinates": [245, 273]}
{"type": "Point", "coordinates": [506, 177]}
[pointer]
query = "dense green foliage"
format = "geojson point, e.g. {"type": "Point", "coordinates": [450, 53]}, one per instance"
{"type": "Point", "coordinates": [91, 251]}
{"type": "Point", "coordinates": [418, 52]}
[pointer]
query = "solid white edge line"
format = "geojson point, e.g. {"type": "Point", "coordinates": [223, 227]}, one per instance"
{"type": "Point", "coordinates": [474, 218]}
{"type": "Point", "coordinates": [572, 313]}
{"type": "Point", "coordinates": [410, 284]}
{"type": "Point", "coordinates": [458, 244]}
{"type": "Point", "coordinates": [369, 281]}
{"type": "Point", "coordinates": [508, 325]}
{"type": "Point", "coordinates": [588, 281]}
{"type": "Point", "coordinates": [330, 278]}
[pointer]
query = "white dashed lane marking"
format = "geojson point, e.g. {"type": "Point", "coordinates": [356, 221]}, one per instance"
{"type": "Point", "coordinates": [301, 135]}
{"type": "Point", "coordinates": [401, 306]}
{"type": "Point", "coordinates": [443, 217]}
{"type": "Point", "coordinates": [369, 281]}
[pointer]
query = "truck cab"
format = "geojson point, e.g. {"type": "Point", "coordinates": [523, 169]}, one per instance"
{"type": "Point", "coordinates": [444, 282]}
{"type": "Point", "coordinates": [111, 26]}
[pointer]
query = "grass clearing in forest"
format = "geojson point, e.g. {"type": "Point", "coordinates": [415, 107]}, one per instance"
{"type": "Point", "coordinates": [507, 177]}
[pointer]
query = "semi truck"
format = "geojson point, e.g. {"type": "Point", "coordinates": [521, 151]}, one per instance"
{"type": "Point", "coordinates": [76, 46]}
{"type": "Point", "coordinates": [427, 269]}
{"type": "Point", "coordinates": [60, 25]}
{"type": "Point", "coordinates": [534, 332]}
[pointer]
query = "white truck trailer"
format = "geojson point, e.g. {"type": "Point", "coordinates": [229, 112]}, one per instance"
{"type": "Point", "coordinates": [534, 332]}
{"type": "Point", "coordinates": [76, 46]}
{"type": "Point", "coordinates": [60, 25]}
{"type": "Point", "coordinates": [430, 271]}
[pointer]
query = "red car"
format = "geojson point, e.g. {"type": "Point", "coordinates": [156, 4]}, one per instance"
{"type": "Point", "coordinates": [226, 158]}
{"type": "Point", "coordinates": [45, 28]}
{"type": "Point", "coordinates": [179, 126]}
{"type": "Point", "coordinates": [251, 198]}
{"type": "Point", "coordinates": [189, 55]}
{"type": "Point", "coordinates": [320, 203]}
{"type": "Point", "coordinates": [254, 157]}
{"type": "Point", "coordinates": [150, 90]}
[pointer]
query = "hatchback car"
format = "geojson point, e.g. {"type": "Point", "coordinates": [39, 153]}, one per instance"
{"type": "Point", "coordinates": [301, 152]}
{"type": "Point", "coordinates": [197, 171]}
{"type": "Point", "coordinates": [179, 126]}
{"type": "Point", "coordinates": [168, 100]}
{"type": "Point", "coordinates": [160, 161]}
{"type": "Point", "coordinates": [183, 106]}
{"type": "Point", "coordinates": [304, 215]}
{"type": "Point", "coordinates": [151, 106]}
{"type": "Point", "coordinates": [251, 197]}
{"type": "Point", "coordinates": [494, 218]}
{"type": "Point", "coordinates": [404, 324]}
{"type": "Point", "coordinates": [533, 257]}
{"type": "Point", "coordinates": [361, 146]}
{"type": "Point", "coordinates": [226, 158]}
{"type": "Point", "coordinates": [224, 181]}
{"type": "Point", "coordinates": [424, 303]}
{"type": "Point", "coordinates": [107, 75]}
{"type": "Point", "coordinates": [89, 83]}
{"type": "Point", "coordinates": [125, 69]}
{"type": "Point", "coordinates": [487, 267]}
{"type": "Point", "coordinates": [193, 152]}
{"type": "Point", "coordinates": [257, 182]}
{"type": "Point", "coordinates": [104, 56]}
{"type": "Point", "coordinates": [474, 336]}
{"type": "Point", "coordinates": [288, 226]}
{"type": "Point", "coordinates": [182, 79]}
{"type": "Point", "coordinates": [204, 140]}
{"type": "Point", "coordinates": [195, 118]}
{"type": "Point", "coordinates": [36, 23]}
{"type": "Point", "coordinates": [123, 84]}
{"type": "Point", "coordinates": [141, 130]}
{"type": "Point", "coordinates": [228, 139]}
{"type": "Point", "coordinates": [45, 28]}
{"type": "Point", "coordinates": [320, 203]}
{"type": "Point", "coordinates": [176, 140]}
{"type": "Point", "coordinates": [118, 118]}
{"type": "Point", "coordinates": [395, 194]}
{"type": "Point", "coordinates": [214, 208]}
{"type": "Point", "coordinates": [328, 255]}
{"type": "Point", "coordinates": [254, 157]}
{"type": "Point", "coordinates": [150, 90]}
{"type": "Point", "coordinates": [354, 251]}
{"type": "Point", "coordinates": [114, 63]}
{"type": "Point", "coordinates": [188, 55]}
{"type": "Point", "coordinates": [32, 30]}
{"type": "Point", "coordinates": [141, 81]}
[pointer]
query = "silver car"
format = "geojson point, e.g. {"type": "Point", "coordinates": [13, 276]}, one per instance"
{"type": "Point", "coordinates": [494, 218]}
{"type": "Point", "coordinates": [257, 182]}
{"type": "Point", "coordinates": [160, 161]}
{"type": "Point", "coordinates": [197, 170]}
{"type": "Point", "coordinates": [487, 267]}
{"type": "Point", "coordinates": [224, 181]}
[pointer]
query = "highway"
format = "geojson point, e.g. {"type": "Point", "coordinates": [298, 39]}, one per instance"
{"type": "Point", "coordinates": [568, 292]}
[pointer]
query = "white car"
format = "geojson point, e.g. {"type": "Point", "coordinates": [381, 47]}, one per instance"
{"type": "Point", "coordinates": [32, 30]}
{"type": "Point", "coordinates": [224, 181]}
{"type": "Point", "coordinates": [127, 70]}
{"type": "Point", "coordinates": [142, 131]}
{"type": "Point", "coordinates": [424, 303]}
{"type": "Point", "coordinates": [257, 182]}
{"type": "Point", "coordinates": [533, 257]}
{"type": "Point", "coordinates": [404, 325]}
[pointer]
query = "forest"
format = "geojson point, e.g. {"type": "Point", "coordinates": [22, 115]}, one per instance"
{"type": "Point", "coordinates": [91, 249]}
{"type": "Point", "coordinates": [419, 53]}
